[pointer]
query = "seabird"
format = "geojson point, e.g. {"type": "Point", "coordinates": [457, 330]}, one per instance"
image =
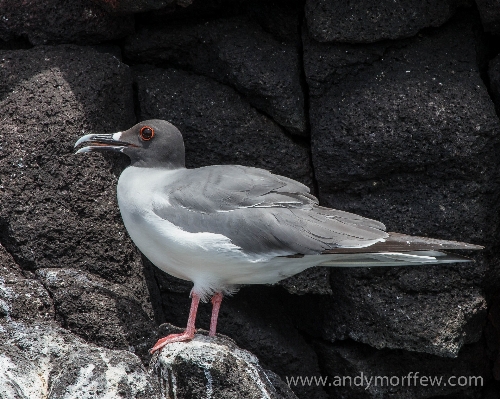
{"type": "Point", "coordinates": [221, 226]}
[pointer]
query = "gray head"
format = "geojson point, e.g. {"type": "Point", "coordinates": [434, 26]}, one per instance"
{"type": "Point", "coordinates": [150, 143]}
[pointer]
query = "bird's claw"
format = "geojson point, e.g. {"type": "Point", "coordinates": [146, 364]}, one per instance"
{"type": "Point", "coordinates": [185, 336]}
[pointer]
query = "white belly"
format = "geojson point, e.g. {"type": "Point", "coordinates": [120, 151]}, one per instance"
{"type": "Point", "coordinates": [210, 260]}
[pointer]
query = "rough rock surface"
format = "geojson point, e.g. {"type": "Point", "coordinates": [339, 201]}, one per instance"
{"type": "Point", "coordinates": [218, 125]}
{"type": "Point", "coordinates": [400, 374]}
{"type": "Point", "coordinates": [101, 312]}
{"type": "Point", "coordinates": [389, 115]}
{"type": "Point", "coordinates": [133, 6]}
{"type": "Point", "coordinates": [58, 21]}
{"type": "Point", "coordinates": [257, 319]}
{"type": "Point", "coordinates": [436, 310]}
{"type": "Point", "coordinates": [41, 360]}
{"type": "Point", "coordinates": [492, 334]}
{"type": "Point", "coordinates": [236, 51]}
{"type": "Point", "coordinates": [373, 151]}
{"type": "Point", "coordinates": [368, 21]}
{"type": "Point", "coordinates": [374, 143]}
{"type": "Point", "coordinates": [489, 10]}
{"type": "Point", "coordinates": [21, 298]}
{"type": "Point", "coordinates": [214, 367]}
{"type": "Point", "coordinates": [59, 210]}
{"type": "Point", "coordinates": [315, 280]}
{"type": "Point", "coordinates": [494, 75]}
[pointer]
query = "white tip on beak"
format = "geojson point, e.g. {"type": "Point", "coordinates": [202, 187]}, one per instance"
{"type": "Point", "coordinates": [83, 139]}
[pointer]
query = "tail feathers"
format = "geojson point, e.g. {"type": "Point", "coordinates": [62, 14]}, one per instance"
{"type": "Point", "coordinates": [404, 243]}
{"type": "Point", "coordinates": [411, 258]}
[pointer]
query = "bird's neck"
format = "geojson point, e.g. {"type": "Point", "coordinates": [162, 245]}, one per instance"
{"type": "Point", "coordinates": [167, 165]}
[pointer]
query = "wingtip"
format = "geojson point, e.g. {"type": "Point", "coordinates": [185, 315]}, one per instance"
{"type": "Point", "coordinates": [423, 242]}
{"type": "Point", "coordinates": [465, 245]}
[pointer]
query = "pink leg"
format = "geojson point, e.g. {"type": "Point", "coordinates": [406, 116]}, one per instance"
{"type": "Point", "coordinates": [216, 301]}
{"type": "Point", "coordinates": [186, 335]}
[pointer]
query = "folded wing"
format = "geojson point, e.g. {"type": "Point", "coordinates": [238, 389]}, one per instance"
{"type": "Point", "coordinates": [261, 213]}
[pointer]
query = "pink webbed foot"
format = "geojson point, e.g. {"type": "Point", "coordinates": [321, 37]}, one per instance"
{"type": "Point", "coordinates": [185, 336]}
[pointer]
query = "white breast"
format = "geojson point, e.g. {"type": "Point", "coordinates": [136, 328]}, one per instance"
{"type": "Point", "coordinates": [210, 260]}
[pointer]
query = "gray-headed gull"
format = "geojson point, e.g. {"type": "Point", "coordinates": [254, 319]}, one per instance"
{"type": "Point", "coordinates": [224, 225]}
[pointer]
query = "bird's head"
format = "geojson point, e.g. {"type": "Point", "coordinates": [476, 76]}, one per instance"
{"type": "Point", "coordinates": [150, 143]}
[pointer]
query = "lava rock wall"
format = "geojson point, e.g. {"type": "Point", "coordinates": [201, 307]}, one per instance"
{"type": "Point", "coordinates": [386, 109]}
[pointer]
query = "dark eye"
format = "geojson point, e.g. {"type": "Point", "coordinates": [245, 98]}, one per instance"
{"type": "Point", "coordinates": [147, 133]}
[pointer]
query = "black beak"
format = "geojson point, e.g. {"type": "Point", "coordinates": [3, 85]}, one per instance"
{"type": "Point", "coordinates": [102, 142]}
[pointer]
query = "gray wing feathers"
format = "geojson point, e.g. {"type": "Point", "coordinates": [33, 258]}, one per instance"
{"type": "Point", "coordinates": [231, 187]}
{"type": "Point", "coordinates": [262, 213]}
{"type": "Point", "coordinates": [350, 218]}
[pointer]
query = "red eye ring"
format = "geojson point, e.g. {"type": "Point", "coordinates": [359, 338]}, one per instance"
{"type": "Point", "coordinates": [146, 133]}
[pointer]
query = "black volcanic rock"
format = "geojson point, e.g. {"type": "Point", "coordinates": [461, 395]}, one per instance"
{"type": "Point", "coordinates": [98, 311]}
{"type": "Point", "coordinates": [369, 373]}
{"type": "Point", "coordinates": [405, 133]}
{"type": "Point", "coordinates": [383, 109]}
{"type": "Point", "coordinates": [134, 6]}
{"type": "Point", "coordinates": [58, 21]}
{"type": "Point", "coordinates": [494, 75]}
{"type": "Point", "coordinates": [368, 21]}
{"type": "Point", "coordinates": [21, 298]}
{"type": "Point", "coordinates": [431, 309]}
{"type": "Point", "coordinates": [59, 210]}
{"type": "Point", "coordinates": [409, 121]}
{"type": "Point", "coordinates": [427, 309]}
{"type": "Point", "coordinates": [315, 280]}
{"type": "Point", "coordinates": [236, 51]}
{"type": "Point", "coordinates": [489, 10]}
{"type": "Point", "coordinates": [218, 125]}
{"type": "Point", "coordinates": [215, 366]}
{"type": "Point", "coordinates": [257, 319]}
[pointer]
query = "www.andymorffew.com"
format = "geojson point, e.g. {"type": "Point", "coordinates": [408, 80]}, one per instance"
{"type": "Point", "coordinates": [362, 380]}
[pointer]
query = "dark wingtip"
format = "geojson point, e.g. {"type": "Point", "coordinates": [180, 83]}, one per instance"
{"type": "Point", "coordinates": [404, 243]}
{"type": "Point", "coordinates": [434, 243]}
{"type": "Point", "coordinates": [473, 246]}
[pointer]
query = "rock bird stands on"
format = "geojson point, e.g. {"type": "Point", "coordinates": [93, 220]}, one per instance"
{"type": "Point", "coordinates": [224, 225]}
